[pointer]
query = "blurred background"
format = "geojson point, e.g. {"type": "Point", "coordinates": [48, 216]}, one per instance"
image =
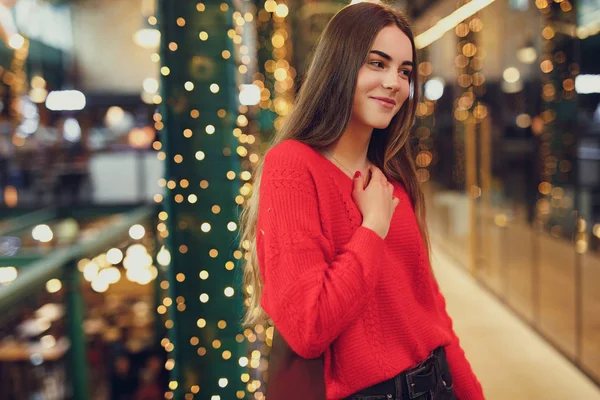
{"type": "Point", "coordinates": [129, 130]}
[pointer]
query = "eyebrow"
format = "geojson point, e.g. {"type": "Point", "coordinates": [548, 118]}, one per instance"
{"type": "Point", "coordinates": [389, 58]}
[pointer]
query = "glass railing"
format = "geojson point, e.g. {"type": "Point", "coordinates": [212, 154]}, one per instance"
{"type": "Point", "coordinates": [67, 315]}
{"type": "Point", "coordinates": [549, 281]}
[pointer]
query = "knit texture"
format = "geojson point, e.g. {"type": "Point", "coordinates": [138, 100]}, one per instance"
{"type": "Point", "coordinates": [332, 286]}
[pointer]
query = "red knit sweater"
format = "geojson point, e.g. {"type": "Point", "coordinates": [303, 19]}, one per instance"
{"type": "Point", "coordinates": [332, 286]}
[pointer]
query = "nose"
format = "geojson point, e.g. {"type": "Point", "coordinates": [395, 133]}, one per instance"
{"type": "Point", "coordinates": [391, 81]}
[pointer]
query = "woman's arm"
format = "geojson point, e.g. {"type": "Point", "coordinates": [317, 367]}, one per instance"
{"type": "Point", "coordinates": [310, 293]}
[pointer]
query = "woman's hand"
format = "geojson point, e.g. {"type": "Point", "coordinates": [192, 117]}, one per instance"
{"type": "Point", "coordinates": [375, 201]}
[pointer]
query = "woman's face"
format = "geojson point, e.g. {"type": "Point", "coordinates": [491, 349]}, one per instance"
{"type": "Point", "coordinates": [383, 83]}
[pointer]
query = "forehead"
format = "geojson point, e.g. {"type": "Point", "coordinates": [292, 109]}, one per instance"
{"type": "Point", "coordinates": [392, 41]}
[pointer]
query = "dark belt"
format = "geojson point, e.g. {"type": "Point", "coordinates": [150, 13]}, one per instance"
{"type": "Point", "coordinates": [412, 383]}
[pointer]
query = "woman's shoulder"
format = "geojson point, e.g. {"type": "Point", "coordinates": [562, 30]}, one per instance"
{"type": "Point", "coordinates": [291, 155]}
{"type": "Point", "coordinates": [291, 148]}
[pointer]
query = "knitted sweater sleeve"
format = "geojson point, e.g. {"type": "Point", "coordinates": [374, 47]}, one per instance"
{"type": "Point", "coordinates": [311, 293]}
{"type": "Point", "coordinates": [466, 385]}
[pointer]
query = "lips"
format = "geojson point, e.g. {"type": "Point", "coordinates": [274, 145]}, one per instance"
{"type": "Point", "coordinates": [385, 101]}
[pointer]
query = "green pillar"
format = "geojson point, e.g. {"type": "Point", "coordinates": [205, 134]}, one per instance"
{"type": "Point", "coordinates": [202, 156]}
{"type": "Point", "coordinates": [78, 364]}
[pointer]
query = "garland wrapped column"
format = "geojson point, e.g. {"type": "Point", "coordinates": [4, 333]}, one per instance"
{"type": "Point", "coordinates": [202, 300]}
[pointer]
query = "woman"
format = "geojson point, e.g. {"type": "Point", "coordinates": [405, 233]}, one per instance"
{"type": "Point", "coordinates": [336, 225]}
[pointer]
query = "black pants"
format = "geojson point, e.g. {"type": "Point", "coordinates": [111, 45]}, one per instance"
{"type": "Point", "coordinates": [430, 380]}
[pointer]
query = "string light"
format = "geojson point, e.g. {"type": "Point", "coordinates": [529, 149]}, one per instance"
{"type": "Point", "coordinates": [270, 90]}
{"type": "Point", "coordinates": [553, 128]}
{"type": "Point", "coordinates": [425, 123]}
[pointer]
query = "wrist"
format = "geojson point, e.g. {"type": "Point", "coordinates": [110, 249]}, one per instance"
{"type": "Point", "coordinates": [374, 228]}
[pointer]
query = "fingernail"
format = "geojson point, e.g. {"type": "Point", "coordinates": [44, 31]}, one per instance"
{"type": "Point", "coordinates": [357, 174]}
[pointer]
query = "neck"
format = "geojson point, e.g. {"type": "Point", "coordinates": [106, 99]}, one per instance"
{"type": "Point", "coordinates": [352, 147]}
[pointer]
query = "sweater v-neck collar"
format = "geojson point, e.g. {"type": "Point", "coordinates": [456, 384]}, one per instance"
{"type": "Point", "coordinates": [331, 164]}
{"type": "Point", "coordinates": [337, 170]}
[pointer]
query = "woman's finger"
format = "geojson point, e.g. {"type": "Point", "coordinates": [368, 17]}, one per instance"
{"type": "Point", "coordinates": [376, 173]}
{"type": "Point", "coordinates": [358, 182]}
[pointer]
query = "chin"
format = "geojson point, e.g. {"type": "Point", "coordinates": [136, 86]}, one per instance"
{"type": "Point", "coordinates": [379, 120]}
{"type": "Point", "coordinates": [381, 124]}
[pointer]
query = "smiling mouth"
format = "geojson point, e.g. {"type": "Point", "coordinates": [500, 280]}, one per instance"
{"type": "Point", "coordinates": [385, 101]}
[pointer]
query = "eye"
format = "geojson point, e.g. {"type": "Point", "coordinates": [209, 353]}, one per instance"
{"type": "Point", "coordinates": [378, 64]}
{"type": "Point", "coordinates": [406, 72]}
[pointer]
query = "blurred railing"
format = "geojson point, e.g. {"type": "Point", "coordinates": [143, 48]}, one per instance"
{"type": "Point", "coordinates": [62, 264]}
{"type": "Point", "coordinates": [21, 222]}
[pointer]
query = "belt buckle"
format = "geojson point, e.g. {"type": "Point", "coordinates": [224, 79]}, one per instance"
{"type": "Point", "coordinates": [422, 366]}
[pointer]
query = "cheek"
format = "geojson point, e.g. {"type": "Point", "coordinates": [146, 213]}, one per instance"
{"type": "Point", "coordinates": [404, 91]}
{"type": "Point", "coordinates": [366, 81]}
{"type": "Point", "coordinates": [403, 94]}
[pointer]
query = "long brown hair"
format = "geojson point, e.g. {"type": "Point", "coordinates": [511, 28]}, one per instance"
{"type": "Point", "coordinates": [331, 79]}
